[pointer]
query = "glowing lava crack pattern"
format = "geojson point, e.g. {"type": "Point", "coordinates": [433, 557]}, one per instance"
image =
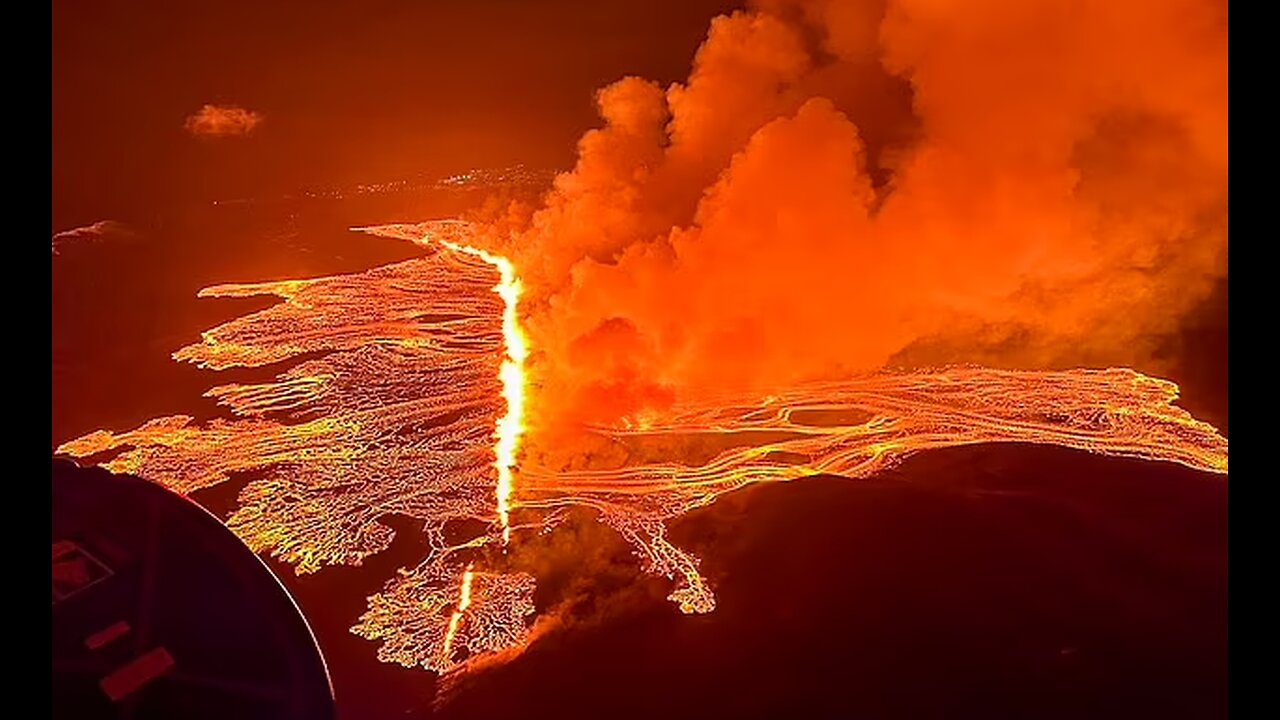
{"type": "Point", "coordinates": [407, 398]}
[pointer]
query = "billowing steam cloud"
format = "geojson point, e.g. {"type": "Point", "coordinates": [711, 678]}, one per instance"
{"type": "Point", "coordinates": [843, 183]}
{"type": "Point", "coordinates": [217, 121]}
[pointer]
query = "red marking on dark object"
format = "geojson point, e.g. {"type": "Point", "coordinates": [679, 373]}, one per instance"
{"type": "Point", "coordinates": [74, 569]}
{"type": "Point", "coordinates": [106, 635]}
{"type": "Point", "coordinates": [72, 572]}
{"type": "Point", "coordinates": [124, 681]}
{"type": "Point", "coordinates": [62, 547]}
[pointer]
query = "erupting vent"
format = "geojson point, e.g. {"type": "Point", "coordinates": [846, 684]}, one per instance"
{"type": "Point", "coordinates": [413, 405]}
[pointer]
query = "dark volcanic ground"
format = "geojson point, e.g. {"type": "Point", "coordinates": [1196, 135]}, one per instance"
{"type": "Point", "coordinates": [982, 582]}
{"type": "Point", "coordinates": [993, 582]}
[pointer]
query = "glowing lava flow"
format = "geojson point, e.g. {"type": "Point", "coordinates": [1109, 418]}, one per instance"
{"type": "Point", "coordinates": [857, 428]}
{"type": "Point", "coordinates": [510, 426]}
{"type": "Point", "coordinates": [398, 385]}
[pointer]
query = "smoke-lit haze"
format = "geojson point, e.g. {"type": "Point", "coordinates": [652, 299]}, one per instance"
{"type": "Point", "coordinates": [839, 183]}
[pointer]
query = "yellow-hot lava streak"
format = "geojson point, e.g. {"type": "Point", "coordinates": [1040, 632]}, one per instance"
{"type": "Point", "coordinates": [510, 426]}
{"type": "Point", "coordinates": [394, 410]}
{"type": "Point", "coordinates": [464, 601]}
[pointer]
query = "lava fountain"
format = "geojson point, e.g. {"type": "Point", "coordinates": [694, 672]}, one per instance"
{"type": "Point", "coordinates": [510, 426]}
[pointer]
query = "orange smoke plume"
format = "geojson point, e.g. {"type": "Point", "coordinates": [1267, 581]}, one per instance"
{"type": "Point", "coordinates": [839, 184]}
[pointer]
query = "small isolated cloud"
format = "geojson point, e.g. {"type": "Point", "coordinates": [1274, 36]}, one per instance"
{"type": "Point", "coordinates": [96, 232]}
{"type": "Point", "coordinates": [218, 121]}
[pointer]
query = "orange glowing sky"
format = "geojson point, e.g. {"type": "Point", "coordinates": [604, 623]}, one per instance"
{"type": "Point", "coordinates": [348, 92]}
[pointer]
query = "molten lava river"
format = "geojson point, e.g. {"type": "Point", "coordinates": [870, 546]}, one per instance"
{"type": "Point", "coordinates": [406, 396]}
